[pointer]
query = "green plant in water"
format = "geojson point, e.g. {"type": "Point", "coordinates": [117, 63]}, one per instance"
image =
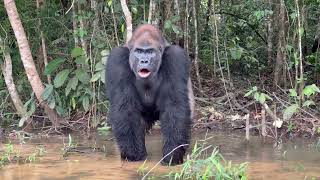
{"type": "Point", "coordinates": [68, 147]}
{"type": "Point", "coordinates": [38, 152]}
{"type": "Point", "coordinates": [104, 130]}
{"type": "Point", "coordinates": [9, 154]}
{"type": "Point", "coordinates": [142, 169]}
{"type": "Point", "coordinates": [212, 167]}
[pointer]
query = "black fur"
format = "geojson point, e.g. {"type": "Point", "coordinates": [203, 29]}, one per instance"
{"type": "Point", "coordinates": [135, 105]}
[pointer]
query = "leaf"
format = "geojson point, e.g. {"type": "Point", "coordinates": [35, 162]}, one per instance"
{"type": "Point", "coordinates": [81, 60]}
{"type": "Point", "coordinates": [61, 77]}
{"type": "Point", "coordinates": [254, 89]}
{"type": "Point", "coordinates": [99, 66]}
{"type": "Point", "coordinates": [103, 76]}
{"type": "Point", "coordinates": [72, 84]}
{"type": "Point", "coordinates": [293, 93]}
{"type": "Point", "coordinates": [53, 65]}
{"type": "Point", "coordinates": [311, 90]}
{"type": "Point", "coordinates": [175, 29]}
{"type": "Point", "coordinates": [60, 110]}
{"type": "Point", "coordinates": [289, 111]}
{"type": "Point", "coordinates": [82, 75]}
{"type": "Point", "coordinates": [262, 98]}
{"type": "Point", "coordinates": [85, 103]}
{"type": "Point", "coordinates": [73, 103]}
{"type": "Point", "coordinates": [167, 24]}
{"type": "Point", "coordinates": [308, 103]}
{"type": "Point", "coordinates": [95, 77]}
{"type": "Point", "coordinates": [105, 53]}
{"type": "Point", "coordinates": [47, 92]}
{"type": "Point", "coordinates": [256, 96]}
{"type": "Point", "coordinates": [134, 10]}
{"type": "Point", "coordinates": [109, 3]}
{"type": "Point", "coordinates": [76, 52]}
{"type": "Point", "coordinates": [52, 102]}
{"type": "Point", "coordinates": [236, 53]}
{"type": "Point", "coordinates": [122, 28]}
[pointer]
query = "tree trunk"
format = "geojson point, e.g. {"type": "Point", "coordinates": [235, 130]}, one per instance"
{"type": "Point", "coordinates": [27, 59]}
{"type": "Point", "coordinates": [270, 36]}
{"type": "Point", "coordinates": [40, 4]}
{"type": "Point", "coordinates": [6, 68]}
{"type": "Point", "coordinates": [196, 58]}
{"type": "Point", "coordinates": [301, 87]}
{"type": "Point", "coordinates": [186, 29]}
{"type": "Point", "coordinates": [280, 70]}
{"type": "Point", "coordinates": [74, 25]}
{"type": "Point", "coordinates": [127, 14]}
{"type": "Point", "coordinates": [152, 6]}
{"type": "Point", "coordinates": [82, 26]}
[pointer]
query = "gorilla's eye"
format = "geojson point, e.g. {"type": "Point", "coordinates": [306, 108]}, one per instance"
{"type": "Point", "coordinates": [138, 50]}
{"type": "Point", "coordinates": [149, 51]}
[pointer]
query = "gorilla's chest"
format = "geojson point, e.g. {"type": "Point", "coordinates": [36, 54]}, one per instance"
{"type": "Point", "coordinates": [148, 93]}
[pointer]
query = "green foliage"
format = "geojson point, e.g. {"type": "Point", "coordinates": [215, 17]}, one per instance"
{"type": "Point", "coordinates": [68, 147]}
{"type": "Point", "coordinates": [289, 111]}
{"type": "Point", "coordinates": [260, 97]}
{"type": "Point", "coordinates": [212, 167]}
{"type": "Point", "coordinates": [53, 65]}
{"type": "Point", "coordinates": [11, 155]}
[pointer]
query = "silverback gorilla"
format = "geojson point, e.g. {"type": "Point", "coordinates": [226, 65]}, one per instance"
{"type": "Point", "coordinates": [148, 80]}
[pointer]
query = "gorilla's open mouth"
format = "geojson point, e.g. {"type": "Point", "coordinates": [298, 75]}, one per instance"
{"type": "Point", "coordinates": [144, 73]}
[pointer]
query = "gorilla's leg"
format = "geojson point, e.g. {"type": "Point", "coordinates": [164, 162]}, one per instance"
{"type": "Point", "coordinates": [125, 116]}
{"type": "Point", "coordinates": [175, 128]}
{"type": "Point", "coordinates": [129, 132]}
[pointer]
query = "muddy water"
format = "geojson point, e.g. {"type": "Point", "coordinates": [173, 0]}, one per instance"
{"type": "Point", "coordinates": [98, 158]}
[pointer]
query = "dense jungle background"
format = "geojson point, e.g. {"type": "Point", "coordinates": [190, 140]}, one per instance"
{"type": "Point", "coordinates": [255, 63]}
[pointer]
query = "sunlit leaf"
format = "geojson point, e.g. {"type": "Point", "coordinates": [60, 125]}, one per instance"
{"type": "Point", "coordinates": [72, 84]}
{"type": "Point", "coordinates": [77, 51]}
{"type": "Point", "coordinates": [236, 53]}
{"type": "Point", "coordinates": [293, 93]}
{"type": "Point", "coordinates": [53, 65]}
{"type": "Point", "coordinates": [95, 77]}
{"type": "Point", "coordinates": [61, 77]}
{"type": "Point", "coordinates": [308, 103]}
{"type": "Point", "coordinates": [289, 111]}
{"type": "Point", "coordinates": [82, 75]}
{"type": "Point", "coordinates": [86, 103]}
{"type": "Point", "coordinates": [105, 53]}
{"type": "Point", "coordinates": [311, 90]}
{"type": "Point", "coordinates": [47, 92]}
{"type": "Point", "coordinates": [99, 66]}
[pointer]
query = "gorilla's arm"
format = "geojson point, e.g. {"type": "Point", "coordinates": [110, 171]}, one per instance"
{"type": "Point", "coordinates": [175, 110]}
{"type": "Point", "coordinates": [124, 112]}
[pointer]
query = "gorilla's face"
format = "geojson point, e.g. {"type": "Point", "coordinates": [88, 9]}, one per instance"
{"type": "Point", "coordinates": [145, 61]}
{"type": "Point", "coordinates": [145, 55]}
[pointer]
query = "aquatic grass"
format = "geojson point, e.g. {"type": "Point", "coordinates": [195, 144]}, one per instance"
{"type": "Point", "coordinates": [11, 155]}
{"type": "Point", "coordinates": [37, 153]}
{"type": "Point", "coordinates": [68, 147]}
{"type": "Point", "coordinates": [200, 164]}
{"type": "Point", "coordinates": [213, 166]}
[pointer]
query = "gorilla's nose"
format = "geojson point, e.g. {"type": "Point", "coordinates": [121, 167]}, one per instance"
{"type": "Point", "coordinates": [144, 62]}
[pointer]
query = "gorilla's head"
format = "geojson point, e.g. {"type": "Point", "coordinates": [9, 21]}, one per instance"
{"type": "Point", "coordinates": [146, 48]}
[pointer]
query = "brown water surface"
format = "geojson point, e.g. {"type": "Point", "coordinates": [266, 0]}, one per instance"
{"type": "Point", "coordinates": [98, 158]}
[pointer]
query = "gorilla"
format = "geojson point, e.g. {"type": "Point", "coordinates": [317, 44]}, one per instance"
{"type": "Point", "coordinates": [149, 80]}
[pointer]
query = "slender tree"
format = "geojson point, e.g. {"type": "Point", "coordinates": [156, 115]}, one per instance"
{"type": "Point", "coordinates": [27, 59]}
{"type": "Point", "coordinates": [128, 17]}
{"type": "Point", "coordinates": [6, 68]}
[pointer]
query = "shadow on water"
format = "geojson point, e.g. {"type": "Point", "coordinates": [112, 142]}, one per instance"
{"type": "Point", "coordinates": [98, 158]}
